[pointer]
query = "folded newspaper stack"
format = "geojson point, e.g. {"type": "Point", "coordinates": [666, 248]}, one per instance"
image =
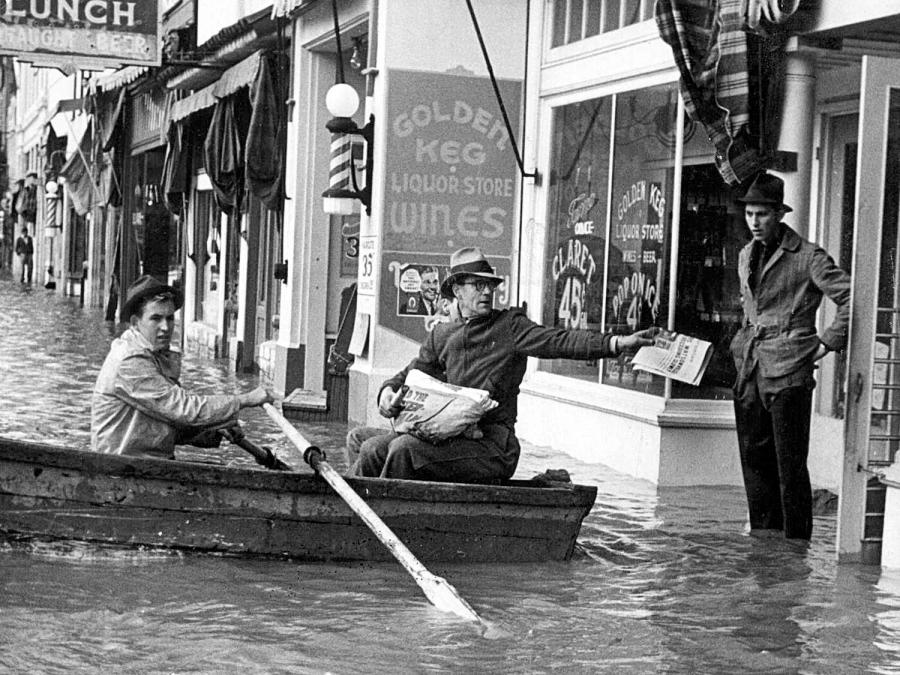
{"type": "Point", "coordinates": [435, 411]}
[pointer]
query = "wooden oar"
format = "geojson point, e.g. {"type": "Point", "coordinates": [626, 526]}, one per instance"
{"type": "Point", "coordinates": [262, 455]}
{"type": "Point", "coordinates": [438, 591]}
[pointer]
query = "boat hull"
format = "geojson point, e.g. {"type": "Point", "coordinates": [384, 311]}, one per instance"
{"type": "Point", "coordinates": [52, 492]}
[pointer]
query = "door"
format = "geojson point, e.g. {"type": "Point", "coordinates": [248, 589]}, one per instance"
{"type": "Point", "coordinates": [872, 430]}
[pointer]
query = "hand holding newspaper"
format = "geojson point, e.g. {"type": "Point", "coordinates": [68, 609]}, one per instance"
{"type": "Point", "coordinates": [435, 411]}
{"type": "Point", "coordinates": [674, 355]}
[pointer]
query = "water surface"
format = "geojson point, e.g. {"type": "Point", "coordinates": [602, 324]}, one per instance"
{"type": "Point", "coordinates": [663, 581]}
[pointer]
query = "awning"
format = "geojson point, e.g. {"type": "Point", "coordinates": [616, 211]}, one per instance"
{"type": "Point", "coordinates": [111, 123]}
{"type": "Point", "coordinates": [67, 105]}
{"type": "Point", "coordinates": [285, 7]}
{"type": "Point", "coordinates": [264, 152]}
{"type": "Point", "coordinates": [77, 173]}
{"type": "Point", "coordinates": [118, 78]}
{"type": "Point", "coordinates": [196, 78]}
{"type": "Point", "coordinates": [240, 75]}
{"type": "Point", "coordinates": [188, 105]}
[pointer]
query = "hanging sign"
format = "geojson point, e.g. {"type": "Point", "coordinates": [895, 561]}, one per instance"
{"type": "Point", "coordinates": [80, 33]}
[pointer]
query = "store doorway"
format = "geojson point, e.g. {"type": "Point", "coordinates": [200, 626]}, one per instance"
{"type": "Point", "coordinates": [872, 423]}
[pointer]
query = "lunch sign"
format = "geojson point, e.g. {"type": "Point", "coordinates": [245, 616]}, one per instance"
{"type": "Point", "coordinates": [79, 33]}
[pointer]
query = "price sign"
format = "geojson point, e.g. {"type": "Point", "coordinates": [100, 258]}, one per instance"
{"type": "Point", "coordinates": [366, 278]}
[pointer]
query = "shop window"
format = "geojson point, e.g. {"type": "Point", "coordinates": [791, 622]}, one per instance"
{"type": "Point", "coordinates": [575, 20]}
{"type": "Point", "coordinates": [610, 225]}
{"type": "Point", "coordinates": [708, 302]}
{"type": "Point", "coordinates": [640, 215]}
{"type": "Point", "coordinates": [574, 272]}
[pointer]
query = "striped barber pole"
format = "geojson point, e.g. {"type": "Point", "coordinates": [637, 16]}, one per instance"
{"type": "Point", "coordinates": [50, 217]}
{"type": "Point", "coordinates": [340, 195]}
{"type": "Point", "coordinates": [341, 162]}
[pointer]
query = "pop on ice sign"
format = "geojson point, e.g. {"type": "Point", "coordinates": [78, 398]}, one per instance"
{"type": "Point", "coordinates": [81, 33]}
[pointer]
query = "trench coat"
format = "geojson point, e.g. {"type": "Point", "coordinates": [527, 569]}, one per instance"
{"type": "Point", "coordinates": [779, 334]}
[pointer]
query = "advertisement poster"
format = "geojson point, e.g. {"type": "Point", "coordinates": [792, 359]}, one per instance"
{"type": "Point", "coordinates": [100, 34]}
{"type": "Point", "coordinates": [576, 267]}
{"type": "Point", "coordinates": [450, 182]}
{"type": "Point", "coordinates": [639, 235]}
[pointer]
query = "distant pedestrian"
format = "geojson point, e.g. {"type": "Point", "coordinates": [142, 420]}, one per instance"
{"type": "Point", "coordinates": [25, 251]}
{"type": "Point", "coordinates": [783, 278]}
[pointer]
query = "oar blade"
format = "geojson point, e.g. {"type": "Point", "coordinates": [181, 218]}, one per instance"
{"type": "Point", "coordinates": [442, 595]}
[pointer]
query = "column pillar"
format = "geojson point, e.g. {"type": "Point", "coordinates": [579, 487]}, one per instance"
{"type": "Point", "coordinates": [796, 136]}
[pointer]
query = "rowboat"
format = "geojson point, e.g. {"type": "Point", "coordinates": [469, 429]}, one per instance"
{"type": "Point", "coordinates": [55, 492]}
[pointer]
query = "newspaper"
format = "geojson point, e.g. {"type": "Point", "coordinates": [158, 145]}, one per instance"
{"type": "Point", "coordinates": [675, 355]}
{"type": "Point", "coordinates": [436, 410]}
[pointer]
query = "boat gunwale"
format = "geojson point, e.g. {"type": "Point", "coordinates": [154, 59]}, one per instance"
{"type": "Point", "coordinates": [520, 493]}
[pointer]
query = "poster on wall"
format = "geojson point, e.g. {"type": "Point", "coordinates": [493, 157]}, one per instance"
{"type": "Point", "coordinates": [81, 34]}
{"type": "Point", "coordinates": [450, 182]}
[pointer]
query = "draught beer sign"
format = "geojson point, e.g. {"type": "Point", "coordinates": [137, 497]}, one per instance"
{"type": "Point", "coordinates": [79, 33]}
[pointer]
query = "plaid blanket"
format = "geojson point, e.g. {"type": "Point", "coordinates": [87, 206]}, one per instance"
{"type": "Point", "coordinates": [729, 79]}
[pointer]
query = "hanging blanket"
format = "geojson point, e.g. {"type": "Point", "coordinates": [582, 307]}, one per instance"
{"type": "Point", "coordinates": [731, 78]}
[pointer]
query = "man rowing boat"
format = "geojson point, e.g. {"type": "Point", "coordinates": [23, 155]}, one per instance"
{"type": "Point", "coordinates": [139, 406]}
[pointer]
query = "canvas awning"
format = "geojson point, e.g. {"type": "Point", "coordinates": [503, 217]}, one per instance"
{"type": "Point", "coordinates": [77, 173]}
{"type": "Point", "coordinates": [239, 75]}
{"type": "Point", "coordinates": [199, 100]}
{"type": "Point", "coordinates": [118, 78]}
{"type": "Point", "coordinates": [264, 153]}
{"type": "Point", "coordinates": [285, 7]}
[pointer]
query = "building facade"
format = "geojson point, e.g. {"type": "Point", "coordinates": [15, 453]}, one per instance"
{"type": "Point", "coordinates": [557, 137]}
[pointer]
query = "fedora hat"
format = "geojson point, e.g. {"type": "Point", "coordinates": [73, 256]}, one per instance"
{"type": "Point", "coordinates": [148, 286]}
{"type": "Point", "coordinates": [765, 189]}
{"type": "Point", "coordinates": [467, 262]}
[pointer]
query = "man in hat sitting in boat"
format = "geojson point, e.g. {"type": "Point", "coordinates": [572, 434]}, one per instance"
{"type": "Point", "coordinates": [138, 406]}
{"type": "Point", "coordinates": [485, 349]}
{"type": "Point", "coordinates": [783, 279]}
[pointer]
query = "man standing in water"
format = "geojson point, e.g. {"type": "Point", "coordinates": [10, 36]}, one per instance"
{"type": "Point", "coordinates": [783, 278]}
{"type": "Point", "coordinates": [138, 405]}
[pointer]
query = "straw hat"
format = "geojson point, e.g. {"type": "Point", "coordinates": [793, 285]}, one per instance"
{"type": "Point", "coordinates": [467, 262]}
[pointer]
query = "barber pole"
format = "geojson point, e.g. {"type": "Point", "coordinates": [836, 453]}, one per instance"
{"type": "Point", "coordinates": [338, 199]}
{"type": "Point", "coordinates": [51, 215]}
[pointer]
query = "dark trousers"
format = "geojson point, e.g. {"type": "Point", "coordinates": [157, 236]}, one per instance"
{"type": "Point", "coordinates": [773, 434]}
{"type": "Point", "coordinates": [459, 460]}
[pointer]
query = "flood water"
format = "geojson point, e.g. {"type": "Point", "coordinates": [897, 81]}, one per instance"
{"type": "Point", "coordinates": [664, 581]}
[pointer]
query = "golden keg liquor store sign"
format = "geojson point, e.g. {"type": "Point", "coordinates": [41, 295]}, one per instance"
{"type": "Point", "coordinates": [81, 33]}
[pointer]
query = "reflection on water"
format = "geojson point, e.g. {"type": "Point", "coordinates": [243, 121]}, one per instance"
{"type": "Point", "coordinates": [663, 581]}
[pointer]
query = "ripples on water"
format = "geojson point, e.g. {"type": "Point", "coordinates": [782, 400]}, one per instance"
{"type": "Point", "coordinates": [663, 581]}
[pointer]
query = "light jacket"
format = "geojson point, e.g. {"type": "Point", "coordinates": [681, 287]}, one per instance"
{"type": "Point", "coordinates": [779, 332]}
{"type": "Point", "coordinates": [138, 406]}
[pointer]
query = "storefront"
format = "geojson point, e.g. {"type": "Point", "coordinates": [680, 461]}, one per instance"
{"type": "Point", "coordinates": [619, 216]}
{"type": "Point", "coordinates": [634, 226]}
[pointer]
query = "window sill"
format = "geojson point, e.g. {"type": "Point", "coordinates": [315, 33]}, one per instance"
{"type": "Point", "coordinates": [647, 408]}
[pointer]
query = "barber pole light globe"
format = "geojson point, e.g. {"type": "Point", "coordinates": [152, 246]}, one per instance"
{"type": "Point", "coordinates": [342, 102]}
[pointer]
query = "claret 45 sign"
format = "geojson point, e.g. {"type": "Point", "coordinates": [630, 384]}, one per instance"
{"type": "Point", "coordinates": [97, 33]}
